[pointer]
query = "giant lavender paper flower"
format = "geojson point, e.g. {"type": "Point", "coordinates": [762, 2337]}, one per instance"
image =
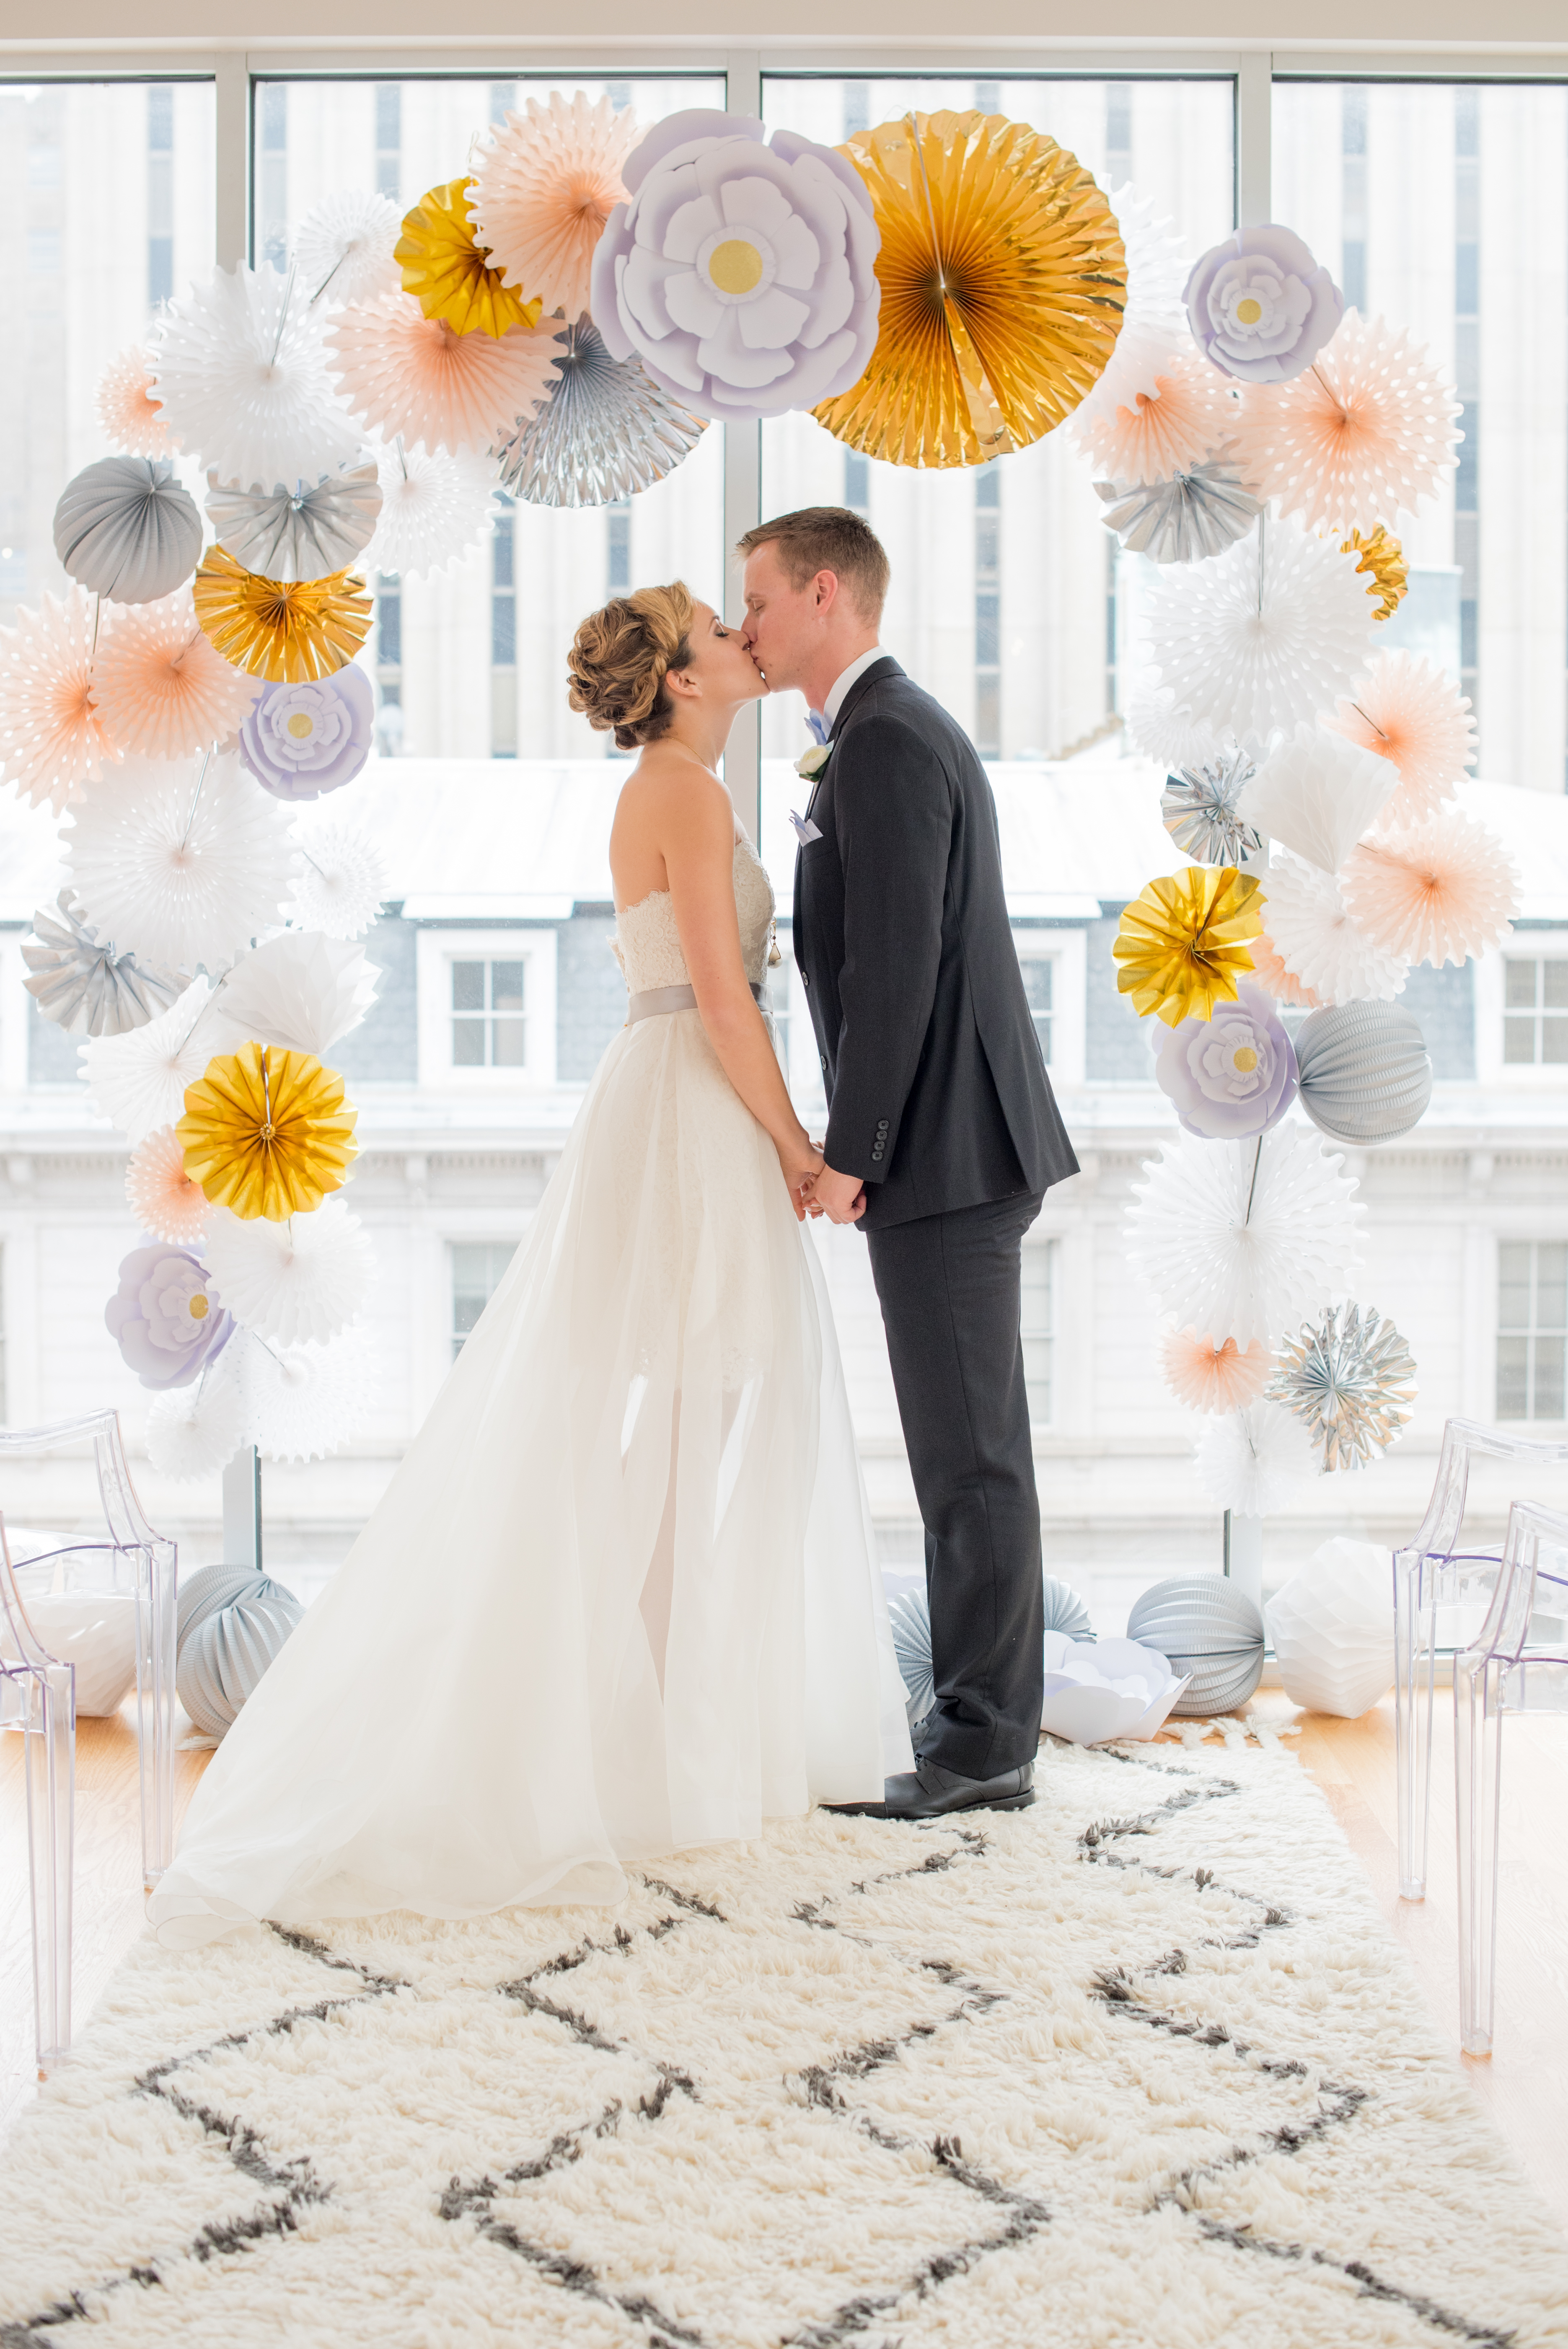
{"type": "Point", "coordinates": [741, 273]}
{"type": "Point", "coordinates": [165, 1321]}
{"type": "Point", "coordinates": [1261, 307]}
{"type": "Point", "coordinates": [1231, 1076]}
{"type": "Point", "coordinates": [301, 740]}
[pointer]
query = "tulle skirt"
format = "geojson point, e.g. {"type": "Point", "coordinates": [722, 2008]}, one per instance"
{"type": "Point", "coordinates": [619, 1597]}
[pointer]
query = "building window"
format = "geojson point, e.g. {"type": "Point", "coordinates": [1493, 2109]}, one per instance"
{"type": "Point", "coordinates": [476, 1269]}
{"type": "Point", "coordinates": [159, 193]}
{"type": "Point", "coordinates": [272, 171]}
{"type": "Point", "coordinates": [857, 108]}
{"type": "Point", "coordinates": [1467, 374]}
{"type": "Point", "coordinates": [988, 613]}
{"type": "Point", "coordinates": [489, 1014]}
{"type": "Point", "coordinates": [388, 139]}
{"type": "Point", "coordinates": [1119, 133]}
{"type": "Point", "coordinates": [1036, 969]}
{"type": "Point", "coordinates": [617, 546]}
{"type": "Point", "coordinates": [1531, 1328]}
{"type": "Point", "coordinates": [1535, 1014]}
{"type": "Point", "coordinates": [503, 591]}
{"type": "Point", "coordinates": [390, 665]}
{"type": "Point", "coordinates": [1353, 194]}
{"type": "Point", "coordinates": [857, 483]}
{"type": "Point", "coordinates": [1038, 1326]}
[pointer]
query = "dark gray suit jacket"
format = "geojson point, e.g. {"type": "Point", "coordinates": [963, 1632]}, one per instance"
{"type": "Point", "coordinates": [938, 1096]}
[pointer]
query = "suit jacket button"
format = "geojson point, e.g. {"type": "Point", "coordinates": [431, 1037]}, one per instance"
{"type": "Point", "coordinates": [876, 1156]}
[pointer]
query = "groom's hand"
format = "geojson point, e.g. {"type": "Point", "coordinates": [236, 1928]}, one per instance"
{"type": "Point", "coordinates": [840, 1197]}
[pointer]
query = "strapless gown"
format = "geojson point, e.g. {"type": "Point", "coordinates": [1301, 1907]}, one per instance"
{"type": "Point", "coordinates": [619, 1597]}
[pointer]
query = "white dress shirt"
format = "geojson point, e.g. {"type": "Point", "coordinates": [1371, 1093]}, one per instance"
{"type": "Point", "coordinates": [833, 702]}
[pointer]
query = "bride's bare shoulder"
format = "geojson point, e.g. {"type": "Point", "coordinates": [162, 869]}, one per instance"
{"type": "Point", "coordinates": [669, 793]}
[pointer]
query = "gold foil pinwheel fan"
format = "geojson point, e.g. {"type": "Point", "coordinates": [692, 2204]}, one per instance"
{"type": "Point", "coordinates": [1003, 281]}
{"type": "Point", "coordinates": [280, 628]}
{"type": "Point", "coordinates": [1182, 944]}
{"type": "Point", "coordinates": [448, 272]}
{"type": "Point", "coordinates": [267, 1133]}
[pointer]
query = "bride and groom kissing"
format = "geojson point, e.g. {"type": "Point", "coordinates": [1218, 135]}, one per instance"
{"type": "Point", "coordinates": [620, 1596]}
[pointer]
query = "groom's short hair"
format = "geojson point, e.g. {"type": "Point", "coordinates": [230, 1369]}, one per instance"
{"type": "Point", "coordinates": [827, 538]}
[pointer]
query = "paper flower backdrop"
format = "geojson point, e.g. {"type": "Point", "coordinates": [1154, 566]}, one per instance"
{"type": "Point", "coordinates": [1437, 891]}
{"type": "Point", "coordinates": [1406, 711]}
{"type": "Point", "coordinates": [970, 362]}
{"type": "Point", "coordinates": [1232, 1074]}
{"type": "Point", "coordinates": [1320, 942]}
{"type": "Point", "coordinates": [341, 881]}
{"type": "Point", "coordinates": [1246, 1239]}
{"type": "Point", "coordinates": [158, 1192]}
{"type": "Point", "coordinates": [1210, 1377]}
{"type": "Point", "coordinates": [405, 373]}
{"type": "Point", "coordinates": [83, 984]}
{"type": "Point", "coordinates": [241, 372]}
{"type": "Point", "coordinates": [161, 691]}
{"type": "Point", "coordinates": [1184, 414]}
{"type": "Point", "coordinates": [163, 1317]}
{"type": "Point", "coordinates": [267, 1133]}
{"type": "Point", "coordinates": [299, 534]}
{"type": "Point", "coordinates": [543, 189]}
{"type": "Point", "coordinates": [1350, 1382]}
{"type": "Point", "coordinates": [604, 431]}
{"type": "Point", "coordinates": [343, 247]}
{"type": "Point", "coordinates": [52, 740]}
{"type": "Point", "coordinates": [741, 272]}
{"type": "Point", "coordinates": [1254, 1462]}
{"type": "Point", "coordinates": [1160, 724]}
{"type": "Point", "coordinates": [1263, 635]}
{"type": "Point", "coordinates": [1316, 794]}
{"type": "Point", "coordinates": [138, 1080]}
{"type": "Point", "coordinates": [307, 1276]}
{"type": "Point", "coordinates": [276, 628]}
{"type": "Point", "coordinates": [192, 1431]}
{"type": "Point", "coordinates": [126, 530]}
{"type": "Point", "coordinates": [1181, 946]}
{"type": "Point", "coordinates": [1383, 566]}
{"type": "Point", "coordinates": [1152, 341]}
{"type": "Point", "coordinates": [180, 865]}
{"type": "Point", "coordinates": [1199, 808]}
{"type": "Point", "coordinates": [307, 1401]}
{"type": "Point", "coordinates": [448, 271]}
{"type": "Point", "coordinates": [1366, 433]}
{"type": "Point", "coordinates": [1362, 1071]}
{"type": "Point", "coordinates": [131, 418]}
{"type": "Point", "coordinates": [1260, 306]}
{"type": "Point", "coordinates": [436, 507]}
{"type": "Point", "coordinates": [1276, 979]}
{"type": "Point", "coordinates": [301, 992]}
{"type": "Point", "coordinates": [1199, 512]}
{"type": "Point", "coordinates": [299, 740]}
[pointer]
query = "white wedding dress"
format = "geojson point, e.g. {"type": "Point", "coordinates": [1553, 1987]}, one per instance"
{"type": "Point", "coordinates": [619, 1597]}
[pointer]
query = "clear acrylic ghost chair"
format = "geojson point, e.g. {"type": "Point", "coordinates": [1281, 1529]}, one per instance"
{"type": "Point", "coordinates": [37, 1697]}
{"type": "Point", "coordinates": [1439, 1574]}
{"type": "Point", "coordinates": [1512, 1668]}
{"type": "Point", "coordinates": [139, 1560]}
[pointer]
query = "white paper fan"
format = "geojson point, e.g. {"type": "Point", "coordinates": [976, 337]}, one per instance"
{"type": "Point", "coordinates": [302, 1401]}
{"type": "Point", "coordinates": [304, 1277]}
{"type": "Point", "coordinates": [138, 1081]}
{"type": "Point", "coordinates": [183, 861]}
{"type": "Point", "coordinates": [343, 247]}
{"type": "Point", "coordinates": [1245, 1240]}
{"type": "Point", "coordinates": [1317, 793]}
{"type": "Point", "coordinates": [301, 992]}
{"type": "Point", "coordinates": [1264, 636]}
{"type": "Point", "coordinates": [1254, 1462]}
{"type": "Point", "coordinates": [239, 366]}
{"type": "Point", "coordinates": [342, 880]}
{"type": "Point", "coordinates": [1163, 729]}
{"type": "Point", "coordinates": [1319, 941]}
{"type": "Point", "coordinates": [1154, 322]}
{"type": "Point", "coordinates": [436, 507]}
{"type": "Point", "coordinates": [194, 1431]}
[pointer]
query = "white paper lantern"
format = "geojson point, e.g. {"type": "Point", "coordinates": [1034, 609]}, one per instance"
{"type": "Point", "coordinates": [1333, 1629]}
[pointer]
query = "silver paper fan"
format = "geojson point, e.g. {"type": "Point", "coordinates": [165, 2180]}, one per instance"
{"type": "Point", "coordinates": [298, 533]}
{"type": "Point", "coordinates": [1195, 514]}
{"type": "Point", "coordinates": [1198, 808]}
{"type": "Point", "coordinates": [1351, 1382]}
{"type": "Point", "coordinates": [605, 431]}
{"type": "Point", "coordinates": [126, 529]}
{"type": "Point", "coordinates": [83, 986]}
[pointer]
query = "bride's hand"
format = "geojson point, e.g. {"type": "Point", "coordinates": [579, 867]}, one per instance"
{"type": "Point", "coordinates": [802, 1164]}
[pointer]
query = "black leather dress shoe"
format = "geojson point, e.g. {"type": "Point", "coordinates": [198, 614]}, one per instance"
{"type": "Point", "coordinates": [929, 1791]}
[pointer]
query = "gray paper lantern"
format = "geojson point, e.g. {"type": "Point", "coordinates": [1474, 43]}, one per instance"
{"type": "Point", "coordinates": [1365, 1075]}
{"type": "Point", "coordinates": [125, 529]}
{"type": "Point", "coordinates": [909, 1616]}
{"type": "Point", "coordinates": [1203, 1625]}
{"type": "Point", "coordinates": [230, 1623]}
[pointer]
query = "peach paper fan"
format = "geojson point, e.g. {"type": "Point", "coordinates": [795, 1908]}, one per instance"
{"type": "Point", "coordinates": [52, 739]}
{"type": "Point", "coordinates": [404, 372]}
{"type": "Point", "coordinates": [1154, 327]}
{"type": "Point", "coordinates": [162, 689]}
{"type": "Point", "coordinates": [543, 190]}
{"type": "Point", "coordinates": [1276, 980]}
{"type": "Point", "coordinates": [1435, 892]}
{"type": "Point", "coordinates": [1409, 710]}
{"type": "Point", "coordinates": [161, 1195]}
{"type": "Point", "coordinates": [1319, 940]}
{"type": "Point", "coordinates": [1184, 415]}
{"type": "Point", "coordinates": [133, 421]}
{"type": "Point", "coordinates": [1208, 1376]}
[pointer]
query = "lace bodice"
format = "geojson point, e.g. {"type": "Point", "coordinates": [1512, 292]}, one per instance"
{"type": "Point", "coordinates": [646, 943]}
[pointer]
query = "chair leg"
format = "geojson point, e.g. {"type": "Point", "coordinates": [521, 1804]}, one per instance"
{"type": "Point", "coordinates": [50, 1769]}
{"type": "Point", "coordinates": [155, 1619]}
{"type": "Point", "coordinates": [1415, 1668]}
{"type": "Point", "coordinates": [1477, 1769]}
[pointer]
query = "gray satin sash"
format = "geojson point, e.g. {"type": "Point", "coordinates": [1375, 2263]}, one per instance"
{"type": "Point", "coordinates": [655, 999]}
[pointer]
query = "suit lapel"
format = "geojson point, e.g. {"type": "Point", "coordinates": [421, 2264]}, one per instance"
{"type": "Point", "coordinates": [862, 685]}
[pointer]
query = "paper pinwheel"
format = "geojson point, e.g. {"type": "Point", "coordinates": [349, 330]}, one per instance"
{"type": "Point", "coordinates": [267, 1133]}
{"type": "Point", "coordinates": [298, 533]}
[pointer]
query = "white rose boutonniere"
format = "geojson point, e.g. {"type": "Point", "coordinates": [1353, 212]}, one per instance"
{"type": "Point", "coordinates": [810, 764]}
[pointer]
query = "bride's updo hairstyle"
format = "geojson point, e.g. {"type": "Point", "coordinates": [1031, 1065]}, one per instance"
{"type": "Point", "coordinates": [620, 657]}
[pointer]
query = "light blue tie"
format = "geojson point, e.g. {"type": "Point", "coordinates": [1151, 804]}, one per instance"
{"type": "Point", "coordinates": [818, 725]}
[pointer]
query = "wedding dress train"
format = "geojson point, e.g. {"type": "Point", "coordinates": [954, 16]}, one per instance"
{"type": "Point", "coordinates": [619, 1597]}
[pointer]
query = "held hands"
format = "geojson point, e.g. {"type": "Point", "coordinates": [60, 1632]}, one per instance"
{"type": "Point", "coordinates": [840, 1197]}
{"type": "Point", "coordinates": [802, 1164]}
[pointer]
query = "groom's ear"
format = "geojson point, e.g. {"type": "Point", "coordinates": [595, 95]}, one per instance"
{"type": "Point", "coordinates": [824, 589]}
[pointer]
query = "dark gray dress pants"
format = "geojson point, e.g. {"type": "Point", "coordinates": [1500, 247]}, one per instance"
{"type": "Point", "coordinates": [949, 1287]}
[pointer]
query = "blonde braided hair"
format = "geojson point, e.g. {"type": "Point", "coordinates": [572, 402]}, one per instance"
{"type": "Point", "coordinates": [620, 657]}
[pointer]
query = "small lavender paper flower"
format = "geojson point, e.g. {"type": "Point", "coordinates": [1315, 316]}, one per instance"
{"type": "Point", "coordinates": [1231, 1076]}
{"type": "Point", "coordinates": [163, 1318]}
{"type": "Point", "coordinates": [301, 740]}
{"type": "Point", "coordinates": [1260, 305]}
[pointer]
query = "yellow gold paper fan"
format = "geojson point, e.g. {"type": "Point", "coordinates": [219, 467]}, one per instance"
{"type": "Point", "coordinates": [446, 271]}
{"type": "Point", "coordinates": [1003, 280]}
{"type": "Point", "coordinates": [267, 1133]}
{"type": "Point", "coordinates": [1382, 557]}
{"type": "Point", "coordinates": [278, 628]}
{"type": "Point", "coordinates": [1181, 942]}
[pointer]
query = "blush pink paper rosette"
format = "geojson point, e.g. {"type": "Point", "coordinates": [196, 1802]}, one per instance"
{"type": "Point", "coordinates": [1434, 892]}
{"type": "Point", "coordinates": [1410, 712]}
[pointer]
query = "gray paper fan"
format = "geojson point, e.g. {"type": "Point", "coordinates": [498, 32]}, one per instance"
{"type": "Point", "coordinates": [910, 1617]}
{"type": "Point", "coordinates": [230, 1623]}
{"type": "Point", "coordinates": [1198, 808]}
{"type": "Point", "coordinates": [298, 533]}
{"type": "Point", "coordinates": [1203, 1624]}
{"type": "Point", "coordinates": [125, 529]}
{"type": "Point", "coordinates": [81, 984]}
{"type": "Point", "coordinates": [605, 431]}
{"type": "Point", "coordinates": [1365, 1075]}
{"type": "Point", "coordinates": [1198, 512]}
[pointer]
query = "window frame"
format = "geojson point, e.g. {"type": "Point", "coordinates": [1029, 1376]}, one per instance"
{"type": "Point", "coordinates": [1526, 945]}
{"type": "Point", "coordinates": [437, 947]}
{"type": "Point", "coordinates": [1065, 949]}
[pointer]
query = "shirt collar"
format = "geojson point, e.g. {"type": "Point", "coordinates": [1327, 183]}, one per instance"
{"type": "Point", "coordinates": [834, 701]}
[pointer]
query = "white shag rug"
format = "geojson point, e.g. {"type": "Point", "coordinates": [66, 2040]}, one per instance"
{"type": "Point", "coordinates": [1141, 2065]}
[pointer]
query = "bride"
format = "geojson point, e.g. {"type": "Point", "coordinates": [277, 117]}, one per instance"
{"type": "Point", "coordinates": [619, 1599]}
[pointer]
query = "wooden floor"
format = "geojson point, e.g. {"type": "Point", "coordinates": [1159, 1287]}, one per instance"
{"type": "Point", "coordinates": [1524, 2086]}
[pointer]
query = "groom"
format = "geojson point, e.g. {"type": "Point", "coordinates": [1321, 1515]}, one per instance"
{"type": "Point", "coordinates": [942, 1135]}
